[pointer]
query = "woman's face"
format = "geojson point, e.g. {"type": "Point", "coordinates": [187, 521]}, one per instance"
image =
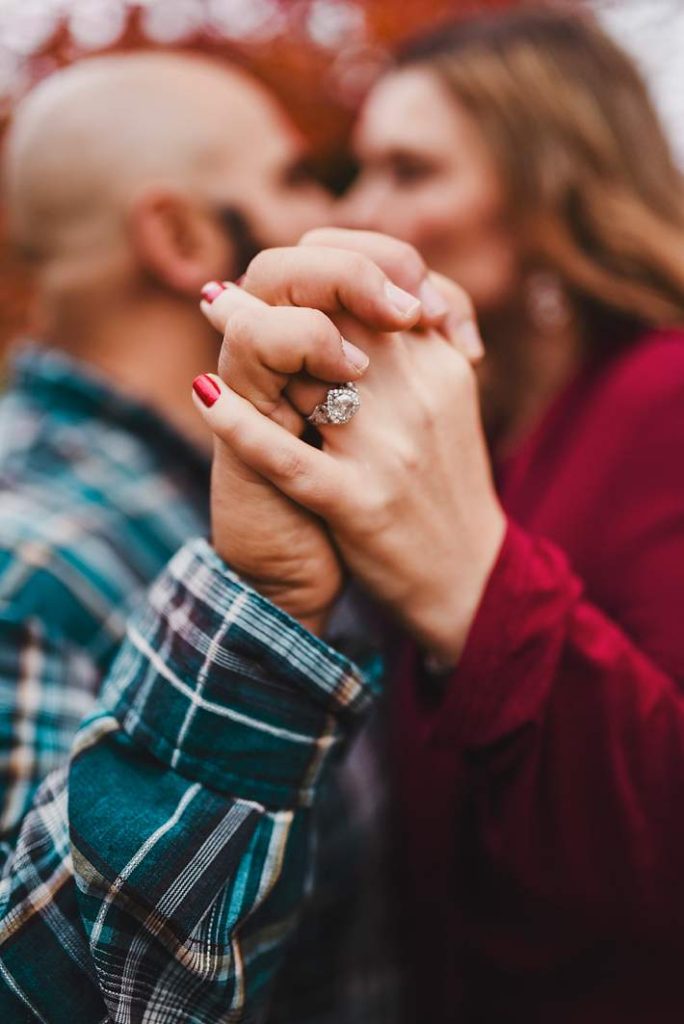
{"type": "Point", "coordinates": [428, 177]}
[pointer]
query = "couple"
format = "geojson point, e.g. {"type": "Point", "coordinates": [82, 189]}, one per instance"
{"type": "Point", "coordinates": [376, 642]}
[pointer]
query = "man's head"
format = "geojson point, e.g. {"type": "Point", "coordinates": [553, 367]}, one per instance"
{"type": "Point", "coordinates": [152, 170]}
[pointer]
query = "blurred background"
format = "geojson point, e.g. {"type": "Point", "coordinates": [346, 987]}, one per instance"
{"type": "Point", "coordinates": [319, 55]}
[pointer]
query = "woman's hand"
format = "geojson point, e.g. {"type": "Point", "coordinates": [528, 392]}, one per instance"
{"type": "Point", "coordinates": [405, 487]}
{"type": "Point", "coordinates": [273, 357]}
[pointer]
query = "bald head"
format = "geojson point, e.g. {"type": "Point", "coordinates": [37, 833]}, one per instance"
{"type": "Point", "coordinates": [87, 141]}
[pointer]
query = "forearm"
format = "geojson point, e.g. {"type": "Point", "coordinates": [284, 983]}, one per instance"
{"type": "Point", "coordinates": [186, 842]}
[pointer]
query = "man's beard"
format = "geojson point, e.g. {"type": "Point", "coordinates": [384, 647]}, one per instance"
{"type": "Point", "coordinates": [244, 240]}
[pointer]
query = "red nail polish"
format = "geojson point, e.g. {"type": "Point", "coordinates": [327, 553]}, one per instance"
{"type": "Point", "coordinates": [206, 389]}
{"type": "Point", "coordinates": [211, 291]}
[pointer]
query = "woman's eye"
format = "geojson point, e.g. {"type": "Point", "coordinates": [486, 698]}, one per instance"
{"type": "Point", "coordinates": [408, 172]}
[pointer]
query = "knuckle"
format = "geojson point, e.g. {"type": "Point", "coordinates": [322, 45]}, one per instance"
{"type": "Point", "coordinates": [359, 281]}
{"type": "Point", "coordinates": [253, 270]}
{"type": "Point", "coordinates": [408, 261]}
{"type": "Point", "coordinates": [314, 236]}
{"type": "Point", "coordinates": [231, 433]}
{"type": "Point", "coordinates": [317, 323]}
{"type": "Point", "coordinates": [288, 465]}
{"type": "Point", "coordinates": [239, 326]}
{"type": "Point", "coordinates": [238, 346]}
{"type": "Point", "coordinates": [427, 416]}
{"type": "Point", "coordinates": [260, 266]}
{"type": "Point", "coordinates": [425, 413]}
{"type": "Point", "coordinates": [408, 456]}
{"type": "Point", "coordinates": [361, 265]}
{"type": "Point", "coordinates": [257, 262]}
{"type": "Point", "coordinates": [373, 510]}
{"type": "Point", "coordinates": [225, 360]}
{"type": "Point", "coordinates": [322, 500]}
{"type": "Point", "coordinates": [322, 331]}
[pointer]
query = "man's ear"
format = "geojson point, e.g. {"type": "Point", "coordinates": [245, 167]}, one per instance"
{"type": "Point", "coordinates": [177, 241]}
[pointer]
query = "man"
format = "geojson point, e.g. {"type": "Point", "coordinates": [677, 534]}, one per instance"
{"type": "Point", "coordinates": [129, 184]}
{"type": "Point", "coordinates": [123, 174]}
{"type": "Point", "coordinates": [120, 173]}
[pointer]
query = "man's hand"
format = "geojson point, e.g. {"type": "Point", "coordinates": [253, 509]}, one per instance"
{"type": "Point", "coordinates": [283, 550]}
{"type": "Point", "coordinates": [405, 486]}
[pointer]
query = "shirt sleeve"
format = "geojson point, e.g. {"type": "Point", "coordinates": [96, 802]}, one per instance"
{"type": "Point", "coordinates": [164, 874]}
{"type": "Point", "coordinates": [574, 738]}
{"type": "Point", "coordinates": [566, 711]}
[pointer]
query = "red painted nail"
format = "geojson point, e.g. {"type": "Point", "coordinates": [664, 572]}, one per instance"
{"type": "Point", "coordinates": [206, 389]}
{"type": "Point", "coordinates": [211, 291]}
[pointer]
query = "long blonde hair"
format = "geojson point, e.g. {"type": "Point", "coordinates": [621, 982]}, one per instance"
{"type": "Point", "coordinates": [591, 184]}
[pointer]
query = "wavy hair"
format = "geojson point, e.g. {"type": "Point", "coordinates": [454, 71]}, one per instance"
{"type": "Point", "coordinates": [591, 184]}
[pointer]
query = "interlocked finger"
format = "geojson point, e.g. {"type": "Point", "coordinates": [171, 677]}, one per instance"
{"type": "Point", "coordinates": [265, 347]}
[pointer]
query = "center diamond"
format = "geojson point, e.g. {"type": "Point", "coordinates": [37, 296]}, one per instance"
{"type": "Point", "coordinates": [342, 403]}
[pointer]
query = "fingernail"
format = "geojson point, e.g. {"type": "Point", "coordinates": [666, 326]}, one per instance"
{"type": "Point", "coordinates": [206, 389]}
{"type": "Point", "coordinates": [358, 359]}
{"type": "Point", "coordinates": [434, 303]}
{"type": "Point", "coordinates": [212, 290]}
{"type": "Point", "coordinates": [467, 334]}
{"type": "Point", "coordinates": [404, 303]}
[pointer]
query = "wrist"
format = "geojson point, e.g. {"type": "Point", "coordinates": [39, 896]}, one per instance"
{"type": "Point", "coordinates": [297, 605]}
{"type": "Point", "coordinates": [316, 623]}
{"type": "Point", "coordinates": [297, 601]}
{"type": "Point", "coordinates": [441, 621]}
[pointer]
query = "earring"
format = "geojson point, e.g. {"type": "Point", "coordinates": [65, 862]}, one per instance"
{"type": "Point", "coordinates": [547, 303]}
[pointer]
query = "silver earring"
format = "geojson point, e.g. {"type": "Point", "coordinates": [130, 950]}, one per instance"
{"type": "Point", "coordinates": [547, 303]}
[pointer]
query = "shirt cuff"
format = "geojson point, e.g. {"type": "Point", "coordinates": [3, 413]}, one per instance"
{"type": "Point", "coordinates": [514, 645]}
{"type": "Point", "coordinates": [227, 689]}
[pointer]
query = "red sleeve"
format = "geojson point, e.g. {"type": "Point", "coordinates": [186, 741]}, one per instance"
{"type": "Point", "coordinates": [571, 716]}
{"type": "Point", "coordinates": [551, 769]}
{"type": "Point", "coordinates": [575, 739]}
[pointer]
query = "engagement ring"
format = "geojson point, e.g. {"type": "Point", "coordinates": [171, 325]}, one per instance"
{"type": "Point", "coordinates": [341, 403]}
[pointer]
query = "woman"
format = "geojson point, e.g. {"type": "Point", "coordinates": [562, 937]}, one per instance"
{"type": "Point", "coordinates": [541, 779]}
{"type": "Point", "coordinates": [521, 155]}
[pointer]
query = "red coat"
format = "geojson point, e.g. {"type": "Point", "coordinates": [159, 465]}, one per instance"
{"type": "Point", "coordinates": [543, 794]}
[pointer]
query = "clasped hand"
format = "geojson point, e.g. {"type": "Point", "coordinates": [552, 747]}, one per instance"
{"type": "Point", "coordinates": [401, 496]}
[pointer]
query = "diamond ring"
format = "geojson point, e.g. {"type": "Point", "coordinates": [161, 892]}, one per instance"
{"type": "Point", "coordinates": [341, 403]}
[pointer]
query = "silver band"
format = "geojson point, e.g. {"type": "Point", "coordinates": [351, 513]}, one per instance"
{"type": "Point", "coordinates": [341, 404]}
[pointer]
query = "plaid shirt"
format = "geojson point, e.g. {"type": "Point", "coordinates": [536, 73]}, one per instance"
{"type": "Point", "coordinates": [194, 861]}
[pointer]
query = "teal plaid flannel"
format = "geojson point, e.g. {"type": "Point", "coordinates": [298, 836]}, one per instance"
{"type": "Point", "coordinates": [180, 865]}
